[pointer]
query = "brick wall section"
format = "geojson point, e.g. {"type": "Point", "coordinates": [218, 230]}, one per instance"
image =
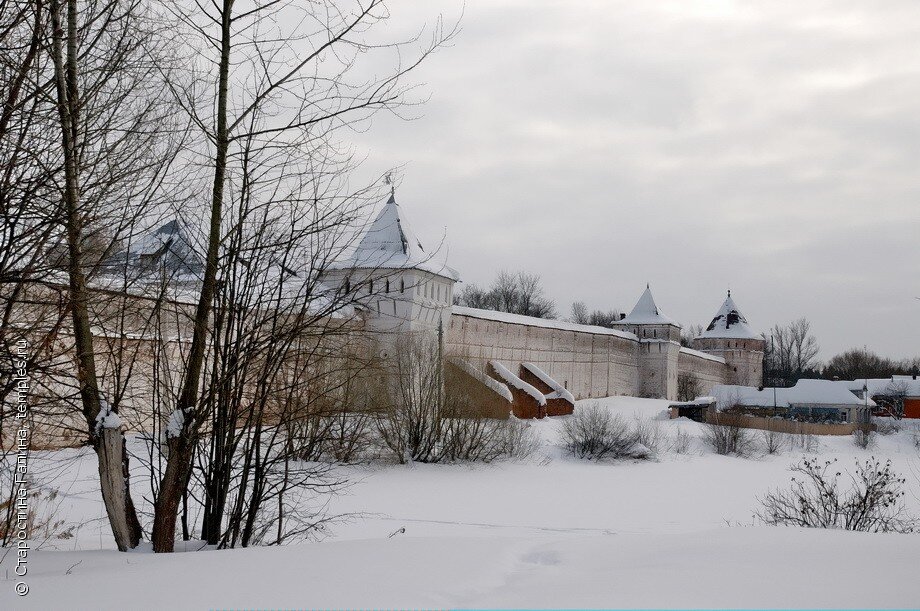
{"type": "Point", "coordinates": [558, 406]}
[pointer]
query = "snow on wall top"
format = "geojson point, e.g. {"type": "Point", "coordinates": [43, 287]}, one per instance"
{"type": "Point", "coordinates": [729, 323]}
{"type": "Point", "coordinates": [804, 393]}
{"type": "Point", "coordinates": [512, 380]}
{"type": "Point", "coordinates": [390, 243]}
{"type": "Point", "coordinates": [492, 383]}
{"type": "Point", "coordinates": [702, 355]}
{"type": "Point", "coordinates": [646, 312]}
{"type": "Point", "coordinates": [546, 323]}
{"type": "Point", "coordinates": [559, 391]}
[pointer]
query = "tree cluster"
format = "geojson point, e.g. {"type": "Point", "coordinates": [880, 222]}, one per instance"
{"type": "Point", "coordinates": [119, 115]}
{"type": "Point", "coordinates": [515, 293]}
{"type": "Point", "coordinates": [864, 363]}
{"type": "Point", "coordinates": [599, 318]}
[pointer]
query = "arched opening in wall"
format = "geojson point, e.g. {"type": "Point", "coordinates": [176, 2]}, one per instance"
{"type": "Point", "coordinates": [402, 285]}
{"type": "Point", "coordinates": [387, 289]}
{"type": "Point", "coordinates": [370, 286]}
{"type": "Point", "coordinates": [347, 285]}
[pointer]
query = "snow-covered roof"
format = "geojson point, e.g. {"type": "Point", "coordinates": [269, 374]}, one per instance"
{"type": "Point", "coordinates": [907, 385]}
{"type": "Point", "coordinates": [729, 323]}
{"type": "Point", "coordinates": [646, 312]}
{"type": "Point", "coordinates": [702, 355]}
{"type": "Point", "coordinates": [390, 243]}
{"type": "Point", "coordinates": [804, 393]}
{"type": "Point", "coordinates": [546, 323]}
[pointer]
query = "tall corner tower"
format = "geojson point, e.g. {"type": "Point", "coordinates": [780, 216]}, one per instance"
{"type": "Point", "coordinates": [730, 337]}
{"type": "Point", "coordinates": [399, 285]}
{"type": "Point", "coordinates": [659, 347]}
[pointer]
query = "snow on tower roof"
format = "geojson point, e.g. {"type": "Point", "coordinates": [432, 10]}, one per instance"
{"type": "Point", "coordinates": [646, 312]}
{"type": "Point", "coordinates": [729, 323]}
{"type": "Point", "coordinates": [389, 243]}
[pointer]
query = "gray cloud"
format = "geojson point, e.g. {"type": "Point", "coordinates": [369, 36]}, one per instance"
{"type": "Point", "coordinates": [769, 146]}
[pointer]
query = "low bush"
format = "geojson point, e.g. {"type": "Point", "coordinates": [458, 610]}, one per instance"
{"type": "Point", "coordinates": [681, 442]}
{"type": "Point", "coordinates": [872, 503]}
{"type": "Point", "coordinates": [773, 441]}
{"type": "Point", "coordinates": [729, 437]}
{"type": "Point", "coordinates": [862, 439]}
{"type": "Point", "coordinates": [593, 433]}
{"type": "Point", "coordinates": [648, 433]}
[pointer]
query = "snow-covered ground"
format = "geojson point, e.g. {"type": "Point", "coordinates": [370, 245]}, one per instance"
{"type": "Point", "coordinates": [549, 531]}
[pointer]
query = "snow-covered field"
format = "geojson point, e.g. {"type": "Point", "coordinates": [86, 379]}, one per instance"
{"type": "Point", "coordinates": [549, 531]}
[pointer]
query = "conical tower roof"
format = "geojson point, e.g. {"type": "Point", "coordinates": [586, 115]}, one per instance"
{"type": "Point", "coordinates": [729, 323]}
{"type": "Point", "coordinates": [646, 312]}
{"type": "Point", "coordinates": [390, 243]}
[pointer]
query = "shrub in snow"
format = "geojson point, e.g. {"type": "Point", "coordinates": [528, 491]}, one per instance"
{"type": "Point", "coordinates": [862, 439]}
{"type": "Point", "coordinates": [688, 386]}
{"type": "Point", "coordinates": [349, 437]}
{"type": "Point", "coordinates": [428, 414]}
{"type": "Point", "coordinates": [594, 433]}
{"type": "Point", "coordinates": [773, 441]}
{"type": "Point", "coordinates": [886, 426]}
{"type": "Point", "coordinates": [36, 519]}
{"type": "Point", "coordinates": [872, 503]}
{"type": "Point", "coordinates": [648, 433]}
{"type": "Point", "coordinates": [681, 442]}
{"type": "Point", "coordinates": [516, 438]}
{"type": "Point", "coordinates": [805, 442]}
{"type": "Point", "coordinates": [729, 437]}
{"type": "Point", "coordinates": [485, 439]}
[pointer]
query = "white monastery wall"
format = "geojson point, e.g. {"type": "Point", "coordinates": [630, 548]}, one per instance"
{"type": "Point", "coordinates": [708, 370]}
{"type": "Point", "coordinates": [587, 364]}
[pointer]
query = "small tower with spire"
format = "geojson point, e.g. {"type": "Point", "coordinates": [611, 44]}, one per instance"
{"type": "Point", "coordinates": [731, 337]}
{"type": "Point", "coordinates": [659, 347]}
{"type": "Point", "coordinates": [398, 284]}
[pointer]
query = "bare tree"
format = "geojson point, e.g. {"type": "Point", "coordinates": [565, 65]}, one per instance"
{"type": "Point", "coordinates": [688, 334]}
{"type": "Point", "coordinates": [116, 149]}
{"type": "Point", "coordinates": [581, 315]}
{"type": "Point", "coordinates": [791, 353]}
{"type": "Point", "coordinates": [294, 83]}
{"type": "Point", "coordinates": [428, 413]}
{"type": "Point", "coordinates": [864, 363]}
{"type": "Point", "coordinates": [519, 293]}
{"type": "Point", "coordinates": [688, 386]}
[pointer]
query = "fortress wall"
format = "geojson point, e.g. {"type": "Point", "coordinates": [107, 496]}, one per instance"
{"type": "Point", "coordinates": [707, 371]}
{"type": "Point", "coordinates": [588, 364]}
{"type": "Point", "coordinates": [744, 358]}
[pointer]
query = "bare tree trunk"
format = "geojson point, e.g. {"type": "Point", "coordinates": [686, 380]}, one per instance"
{"type": "Point", "coordinates": [182, 446]}
{"type": "Point", "coordinates": [108, 442]}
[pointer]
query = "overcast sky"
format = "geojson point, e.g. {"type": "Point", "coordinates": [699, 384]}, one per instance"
{"type": "Point", "coordinates": [770, 147]}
